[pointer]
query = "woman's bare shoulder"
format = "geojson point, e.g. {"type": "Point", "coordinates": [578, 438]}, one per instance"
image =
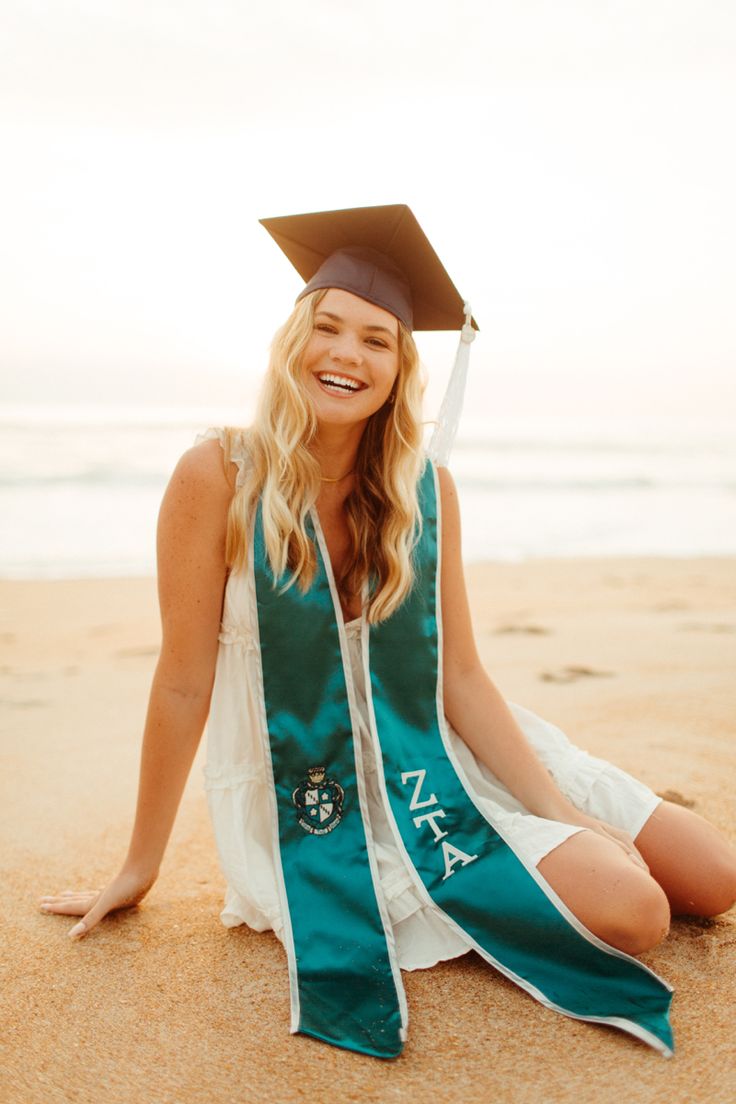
{"type": "Point", "coordinates": [196, 501]}
{"type": "Point", "coordinates": [203, 468]}
{"type": "Point", "coordinates": [191, 540]}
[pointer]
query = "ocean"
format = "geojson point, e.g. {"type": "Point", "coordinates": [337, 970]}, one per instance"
{"type": "Point", "coordinates": [80, 487]}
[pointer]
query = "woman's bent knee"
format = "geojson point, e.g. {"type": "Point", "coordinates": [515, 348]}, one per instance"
{"type": "Point", "coordinates": [640, 920]}
{"type": "Point", "coordinates": [717, 893]}
{"type": "Point", "coordinates": [616, 900]}
{"type": "Point", "coordinates": [690, 859]}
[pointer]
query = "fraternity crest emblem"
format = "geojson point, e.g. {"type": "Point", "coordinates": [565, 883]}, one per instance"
{"type": "Point", "coordinates": [318, 802]}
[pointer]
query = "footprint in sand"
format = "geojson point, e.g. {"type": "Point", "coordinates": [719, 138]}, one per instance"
{"type": "Point", "coordinates": [709, 626]}
{"type": "Point", "coordinates": [573, 673]}
{"type": "Point", "coordinates": [676, 798]}
{"type": "Point", "coordinates": [535, 630]}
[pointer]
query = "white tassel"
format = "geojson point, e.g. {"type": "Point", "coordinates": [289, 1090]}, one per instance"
{"type": "Point", "coordinates": [440, 445]}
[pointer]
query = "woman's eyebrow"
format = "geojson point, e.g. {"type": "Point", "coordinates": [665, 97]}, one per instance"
{"type": "Point", "coordinates": [337, 318]}
{"type": "Point", "coordinates": [383, 329]}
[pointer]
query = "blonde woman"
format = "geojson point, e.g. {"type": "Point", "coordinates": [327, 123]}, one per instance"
{"type": "Point", "coordinates": [376, 802]}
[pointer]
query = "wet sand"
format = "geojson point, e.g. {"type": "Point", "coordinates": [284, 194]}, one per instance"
{"type": "Point", "coordinates": [633, 658]}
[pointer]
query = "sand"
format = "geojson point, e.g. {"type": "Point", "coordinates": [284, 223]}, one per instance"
{"type": "Point", "coordinates": [633, 658]}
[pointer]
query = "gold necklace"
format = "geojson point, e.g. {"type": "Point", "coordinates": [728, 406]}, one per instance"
{"type": "Point", "coordinates": [327, 479]}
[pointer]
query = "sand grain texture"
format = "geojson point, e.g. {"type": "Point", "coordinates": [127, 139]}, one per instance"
{"type": "Point", "coordinates": [633, 658]}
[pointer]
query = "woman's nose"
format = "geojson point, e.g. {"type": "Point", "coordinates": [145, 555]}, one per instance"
{"type": "Point", "coordinates": [346, 349]}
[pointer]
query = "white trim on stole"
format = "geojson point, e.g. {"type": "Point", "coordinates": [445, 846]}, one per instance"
{"type": "Point", "coordinates": [288, 934]}
{"type": "Point", "coordinates": [360, 779]}
{"type": "Point", "coordinates": [615, 1021]}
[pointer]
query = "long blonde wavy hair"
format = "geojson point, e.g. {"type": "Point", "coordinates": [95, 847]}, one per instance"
{"type": "Point", "coordinates": [382, 510]}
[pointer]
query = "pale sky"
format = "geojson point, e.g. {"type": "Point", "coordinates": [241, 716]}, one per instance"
{"type": "Point", "coordinates": [572, 162]}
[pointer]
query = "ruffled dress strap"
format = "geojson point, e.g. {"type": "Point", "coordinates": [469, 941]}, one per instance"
{"type": "Point", "coordinates": [238, 447]}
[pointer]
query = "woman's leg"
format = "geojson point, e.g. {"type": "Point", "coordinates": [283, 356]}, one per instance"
{"type": "Point", "coordinates": [612, 896]}
{"type": "Point", "coordinates": [691, 861]}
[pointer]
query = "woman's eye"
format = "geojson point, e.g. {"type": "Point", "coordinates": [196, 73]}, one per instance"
{"type": "Point", "coordinates": [324, 327]}
{"type": "Point", "coordinates": [377, 342]}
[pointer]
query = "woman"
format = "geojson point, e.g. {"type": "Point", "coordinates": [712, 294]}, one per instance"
{"type": "Point", "coordinates": [375, 799]}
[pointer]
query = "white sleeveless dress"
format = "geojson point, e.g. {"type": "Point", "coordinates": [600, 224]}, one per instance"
{"type": "Point", "coordinates": [236, 785]}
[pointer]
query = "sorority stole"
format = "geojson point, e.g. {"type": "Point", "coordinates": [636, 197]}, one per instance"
{"type": "Point", "coordinates": [346, 985]}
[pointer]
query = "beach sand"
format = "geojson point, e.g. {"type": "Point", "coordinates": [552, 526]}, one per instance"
{"type": "Point", "coordinates": [633, 658]}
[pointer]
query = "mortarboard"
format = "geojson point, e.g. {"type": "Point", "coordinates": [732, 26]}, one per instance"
{"type": "Point", "coordinates": [382, 255]}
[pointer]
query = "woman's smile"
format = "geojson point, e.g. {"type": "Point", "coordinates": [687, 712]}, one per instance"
{"type": "Point", "coordinates": [341, 385]}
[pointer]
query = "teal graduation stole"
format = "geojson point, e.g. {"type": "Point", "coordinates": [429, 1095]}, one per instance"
{"type": "Point", "coordinates": [346, 986]}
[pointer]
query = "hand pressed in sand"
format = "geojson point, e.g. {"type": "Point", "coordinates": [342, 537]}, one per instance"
{"type": "Point", "coordinates": [126, 890]}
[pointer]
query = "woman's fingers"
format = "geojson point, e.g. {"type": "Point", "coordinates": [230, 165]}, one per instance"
{"type": "Point", "coordinates": [125, 890]}
{"type": "Point", "coordinates": [68, 908]}
{"type": "Point", "coordinates": [615, 835]}
{"type": "Point", "coordinates": [70, 904]}
{"type": "Point", "coordinates": [105, 902]}
{"type": "Point", "coordinates": [626, 842]}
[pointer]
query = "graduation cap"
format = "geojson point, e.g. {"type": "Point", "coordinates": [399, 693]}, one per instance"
{"type": "Point", "coordinates": [382, 255]}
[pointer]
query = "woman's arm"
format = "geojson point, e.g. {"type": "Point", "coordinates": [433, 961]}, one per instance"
{"type": "Point", "coordinates": [476, 709]}
{"type": "Point", "coordinates": [473, 705]}
{"type": "Point", "coordinates": [191, 579]}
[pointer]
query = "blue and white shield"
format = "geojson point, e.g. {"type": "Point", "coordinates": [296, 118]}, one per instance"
{"type": "Point", "coordinates": [318, 802]}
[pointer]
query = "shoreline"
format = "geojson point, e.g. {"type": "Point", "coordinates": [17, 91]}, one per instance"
{"type": "Point", "coordinates": [618, 558]}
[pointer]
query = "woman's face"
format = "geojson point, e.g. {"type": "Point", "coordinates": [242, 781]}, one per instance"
{"type": "Point", "coordinates": [351, 360]}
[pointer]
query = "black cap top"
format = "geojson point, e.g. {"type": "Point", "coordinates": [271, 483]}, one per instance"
{"type": "Point", "coordinates": [379, 253]}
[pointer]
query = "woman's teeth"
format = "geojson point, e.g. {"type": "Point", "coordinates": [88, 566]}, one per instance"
{"type": "Point", "coordinates": [339, 383]}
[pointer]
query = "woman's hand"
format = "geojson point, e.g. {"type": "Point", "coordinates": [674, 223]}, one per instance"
{"type": "Point", "coordinates": [602, 828]}
{"type": "Point", "coordinates": [126, 890]}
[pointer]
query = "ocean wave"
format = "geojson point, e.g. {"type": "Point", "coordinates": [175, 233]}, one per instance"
{"type": "Point", "coordinates": [91, 477]}
{"type": "Point", "coordinates": [115, 479]}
